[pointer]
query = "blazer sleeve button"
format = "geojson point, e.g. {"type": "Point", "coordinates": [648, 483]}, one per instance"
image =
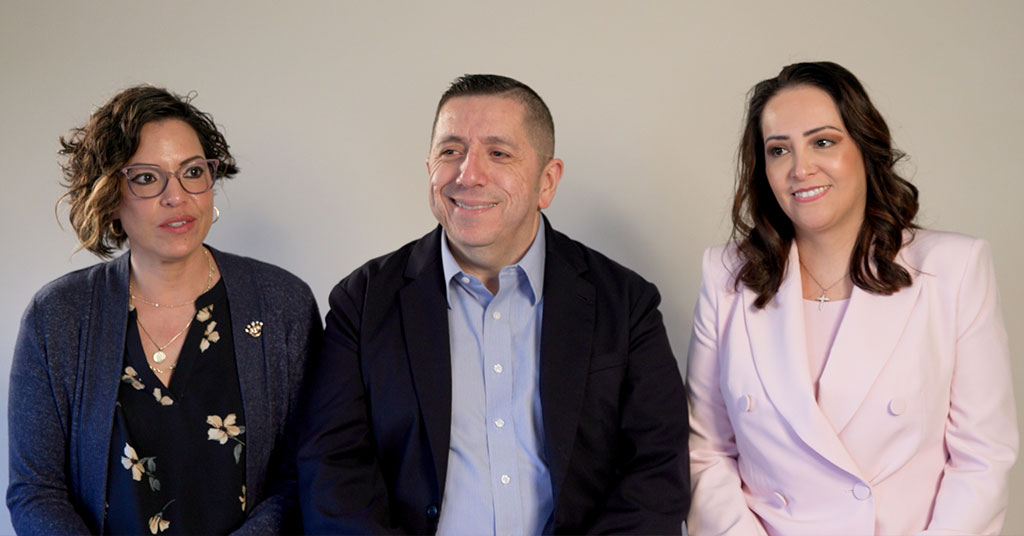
{"type": "Point", "coordinates": [432, 511]}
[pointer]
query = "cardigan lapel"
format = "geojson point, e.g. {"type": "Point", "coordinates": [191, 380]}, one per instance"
{"type": "Point", "coordinates": [870, 331]}
{"type": "Point", "coordinates": [245, 303]}
{"type": "Point", "coordinates": [779, 349]}
{"type": "Point", "coordinates": [566, 334]}
{"type": "Point", "coordinates": [425, 328]}
{"type": "Point", "coordinates": [101, 362]}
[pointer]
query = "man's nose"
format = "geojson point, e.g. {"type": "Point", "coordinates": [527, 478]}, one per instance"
{"type": "Point", "coordinates": [472, 172]}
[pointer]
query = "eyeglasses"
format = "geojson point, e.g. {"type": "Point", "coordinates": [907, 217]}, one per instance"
{"type": "Point", "coordinates": [195, 177]}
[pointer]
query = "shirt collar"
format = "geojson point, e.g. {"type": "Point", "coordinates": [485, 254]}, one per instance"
{"type": "Point", "coordinates": [532, 264]}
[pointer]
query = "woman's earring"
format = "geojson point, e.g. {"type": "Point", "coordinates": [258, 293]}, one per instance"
{"type": "Point", "coordinates": [115, 229]}
{"type": "Point", "coordinates": [216, 214]}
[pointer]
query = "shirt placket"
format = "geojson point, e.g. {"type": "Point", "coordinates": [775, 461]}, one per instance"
{"type": "Point", "coordinates": [498, 388]}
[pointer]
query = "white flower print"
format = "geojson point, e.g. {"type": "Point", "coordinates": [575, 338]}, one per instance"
{"type": "Point", "coordinates": [209, 336]}
{"type": "Point", "coordinates": [157, 523]}
{"type": "Point", "coordinates": [224, 429]}
{"type": "Point", "coordinates": [204, 314]}
{"type": "Point", "coordinates": [130, 460]}
{"type": "Point", "coordinates": [242, 497]}
{"type": "Point", "coordinates": [132, 377]}
{"type": "Point", "coordinates": [162, 399]}
{"type": "Point", "coordinates": [140, 466]}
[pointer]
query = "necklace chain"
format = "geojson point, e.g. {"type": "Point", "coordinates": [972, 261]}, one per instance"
{"type": "Point", "coordinates": [824, 290]}
{"type": "Point", "coordinates": [159, 356]}
{"type": "Point", "coordinates": [209, 281]}
{"type": "Point", "coordinates": [159, 370]}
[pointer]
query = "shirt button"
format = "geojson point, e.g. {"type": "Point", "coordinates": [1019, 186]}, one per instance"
{"type": "Point", "coordinates": [505, 479]}
{"type": "Point", "coordinates": [465, 280]}
{"type": "Point", "coordinates": [500, 423]}
{"type": "Point", "coordinates": [861, 491]}
{"type": "Point", "coordinates": [497, 368]}
{"type": "Point", "coordinates": [496, 315]}
{"type": "Point", "coordinates": [432, 511]}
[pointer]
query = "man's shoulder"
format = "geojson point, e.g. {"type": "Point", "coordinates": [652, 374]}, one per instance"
{"type": "Point", "coordinates": [592, 265]}
{"type": "Point", "coordinates": [389, 269]}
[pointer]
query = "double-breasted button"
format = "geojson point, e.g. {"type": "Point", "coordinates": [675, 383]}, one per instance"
{"type": "Point", "coordinates": [897, 406]}
{"type": "Point", "coordinates": [747, 403]}
{"type": "Point", "coordinates": [432, 511]}
{"type": "Point", "coordinates": [861, 491]}
{"type": "Point", "coordinates": [783, 501]}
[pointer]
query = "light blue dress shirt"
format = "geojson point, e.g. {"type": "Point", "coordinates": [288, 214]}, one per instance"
{"type": "Point", "coordinates": [498, 480]}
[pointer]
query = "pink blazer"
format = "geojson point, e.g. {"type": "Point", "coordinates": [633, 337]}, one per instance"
{"type": "Point", "coordinates": [915, 428]}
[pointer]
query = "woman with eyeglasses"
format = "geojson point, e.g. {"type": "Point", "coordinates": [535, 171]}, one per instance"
{"type": "Point", "coordinates": [153, 393]}
{"type": "Point", "coordinates": [849, 372]}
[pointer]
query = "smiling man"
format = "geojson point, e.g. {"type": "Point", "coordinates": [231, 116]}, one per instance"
{"type": "Point", "coordinates": [494, 376]}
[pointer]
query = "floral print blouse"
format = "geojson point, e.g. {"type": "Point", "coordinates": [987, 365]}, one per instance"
{"type": "Point", "coordinates": [177, 452]}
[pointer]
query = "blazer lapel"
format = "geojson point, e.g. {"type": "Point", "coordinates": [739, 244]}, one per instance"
{"type": "Point", "coordinates": [425, 328]}
{"type": "Point", "coordinates": [779, 349]}
{"type": "Point", "coordinates": [566, 333]}
{"type": "Point", "coordinates": [102, 362]}
{"type": "Point", "coordinates": [245, 304]}
{"type": "Point", "coordinates": [870, 331]}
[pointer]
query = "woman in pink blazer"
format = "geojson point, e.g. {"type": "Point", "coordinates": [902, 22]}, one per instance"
{"type": "Point", "coordinates": [848, 372]}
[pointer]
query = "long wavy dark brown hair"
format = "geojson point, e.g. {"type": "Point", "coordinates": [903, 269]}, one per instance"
{"type": "Point", "coordinates": [95, 153]}
{"type": "Point", "coordinates": [762, 231]}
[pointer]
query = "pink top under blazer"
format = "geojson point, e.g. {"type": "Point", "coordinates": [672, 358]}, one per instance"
{"type": "Point", "coordinates": [914, 429]}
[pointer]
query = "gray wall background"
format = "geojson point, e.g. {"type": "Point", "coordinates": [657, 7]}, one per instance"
{"type": "Point", "coordinates": [327, 106]}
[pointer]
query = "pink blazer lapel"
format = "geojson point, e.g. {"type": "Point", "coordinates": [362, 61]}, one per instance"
{"type": "Point", "coordinates": [779, 349]}
{"type": "Point", "coordinates": [870, 330]}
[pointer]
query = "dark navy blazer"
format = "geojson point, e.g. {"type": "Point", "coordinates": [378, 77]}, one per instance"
{"type": "Point", "coordinates": [375, 432]}
{"type": "Point", "coordinates": [65, 377]}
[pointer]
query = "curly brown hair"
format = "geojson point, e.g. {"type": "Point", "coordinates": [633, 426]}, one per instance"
{"type": "Point", "coordinates": [762, 231]}
{"type": "Point", "coordinates": [95, 153]}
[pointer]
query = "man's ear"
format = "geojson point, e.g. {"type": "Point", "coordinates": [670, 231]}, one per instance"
{"type": "Point", "coordinates": [549, 177]}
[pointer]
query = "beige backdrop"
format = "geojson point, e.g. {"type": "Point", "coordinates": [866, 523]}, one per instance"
{"type": "Point", "coordinates": [327, 106]}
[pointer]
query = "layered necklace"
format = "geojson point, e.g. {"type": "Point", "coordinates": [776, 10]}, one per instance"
{"type": "Point", "coordinates": [159, 356]}
{"type": "Point", "coordinates": [824, 290]}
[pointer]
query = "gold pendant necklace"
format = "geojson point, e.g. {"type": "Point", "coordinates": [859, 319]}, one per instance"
{"type": "Point", "coordinates": [159, 355]}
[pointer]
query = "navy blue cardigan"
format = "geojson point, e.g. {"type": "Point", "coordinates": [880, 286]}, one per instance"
{"type": "Point", "coordinates": [65, 377]}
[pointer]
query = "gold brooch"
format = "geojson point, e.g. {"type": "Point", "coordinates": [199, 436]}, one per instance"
{"type": "Point", "coordinates": [255, 328]}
